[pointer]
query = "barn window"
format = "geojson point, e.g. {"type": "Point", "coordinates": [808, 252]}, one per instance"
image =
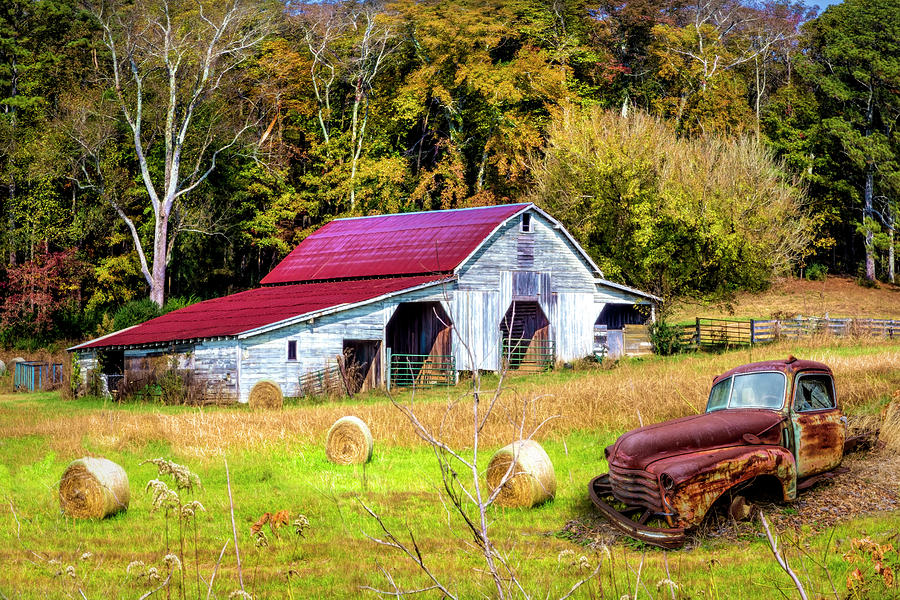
{"type": "Point", "coordinates": [526, 223]}
{"type": "Point", "coordinates": [292, 350]}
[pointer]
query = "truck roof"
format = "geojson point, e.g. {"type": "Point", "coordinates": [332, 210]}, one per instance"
{"type": "Point", "coordinates": [789, 366]}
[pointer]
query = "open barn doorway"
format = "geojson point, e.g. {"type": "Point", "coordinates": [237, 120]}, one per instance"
{"type": "Point", "coordinates": [112, 369]}
{"type": "Point", "coordinates": [620, 329]}
{"type": "Point", "coordinates": [362, 365]}
{"type": "Point", "coordinates": [525, 337]}
{"type": "Point", "coordinates": [420, 344]}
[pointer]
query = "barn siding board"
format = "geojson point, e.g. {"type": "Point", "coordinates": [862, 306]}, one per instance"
{"type": "Point", "coordinates": [216, 362]}
{"type": "Point", "coordinates": [88, 363]}
{"type": "Point", "coordinates": [477, 316]}
{"type": "Point", "coordinates": [574, 333]}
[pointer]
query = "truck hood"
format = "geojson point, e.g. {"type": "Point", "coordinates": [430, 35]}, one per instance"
{"type": "Point", "coordinates": [640, 447]}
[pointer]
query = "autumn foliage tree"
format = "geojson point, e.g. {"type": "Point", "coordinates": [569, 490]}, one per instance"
{"type": "Point", "coordinates": [37, 292]}
{"type": "Point", "coordinates": [668, 214]}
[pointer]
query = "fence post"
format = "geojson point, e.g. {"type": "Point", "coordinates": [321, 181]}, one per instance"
{"type": "Point", "coordinates": [698, 333]}
{"type": "Point", "coordinates": [752, 331]}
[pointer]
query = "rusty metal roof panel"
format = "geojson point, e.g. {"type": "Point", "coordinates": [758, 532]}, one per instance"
{"type": "Point", "coordinates": [386, 245]}
{"type": "Point", "coordinates": [244, 311]}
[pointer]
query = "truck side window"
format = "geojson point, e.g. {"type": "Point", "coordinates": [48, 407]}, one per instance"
{"type": "Point", "coordinates": [814, 392]}
{"type": "Point", "coordinates": [718, 396]}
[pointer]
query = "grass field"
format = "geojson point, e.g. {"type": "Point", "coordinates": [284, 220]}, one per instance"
{"type": "Point", "coordinates": [276, 461]}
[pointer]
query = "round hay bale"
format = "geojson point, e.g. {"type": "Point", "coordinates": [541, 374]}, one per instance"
{"type": "Point", "coordinates": [93, 488]}
{"type": "Point", "coordinates": [266, 394]}
{"type": "Point", "coordinates": [531, 480]}
{"type": "Point", "coordinates": [349, 442]}
{"type": "Point", "coordinates": [2, 368]}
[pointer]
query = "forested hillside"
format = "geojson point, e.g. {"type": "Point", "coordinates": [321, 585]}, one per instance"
{"type": "Point", "coordinates": [158, 149]}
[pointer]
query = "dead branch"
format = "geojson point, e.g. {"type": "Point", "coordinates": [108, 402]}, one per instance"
{"type": "Point", "coordinates": [779, 557]}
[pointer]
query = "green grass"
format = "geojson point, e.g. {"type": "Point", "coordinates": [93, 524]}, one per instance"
{"type": "Point", "coordinates": [335, 557]}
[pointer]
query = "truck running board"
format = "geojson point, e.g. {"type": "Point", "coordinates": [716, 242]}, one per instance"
{"type": "Point", "coordinates": [600, 489]}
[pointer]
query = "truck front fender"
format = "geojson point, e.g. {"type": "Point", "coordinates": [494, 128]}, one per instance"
{"type": "Point", "coordinates": [691, 483]}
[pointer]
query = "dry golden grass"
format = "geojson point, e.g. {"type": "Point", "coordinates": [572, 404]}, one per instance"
{"type": "Point", "coordinates": [837, 296]}
{"type": "Point", "coordinates": [889, 434]}
{"type": "Point", "coordinates": [613, 400]}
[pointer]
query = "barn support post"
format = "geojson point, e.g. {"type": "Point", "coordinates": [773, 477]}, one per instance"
{"type": "Point", "coordinates": [237, 371]}
{"type": "Point", "coordinates": [387, 368]}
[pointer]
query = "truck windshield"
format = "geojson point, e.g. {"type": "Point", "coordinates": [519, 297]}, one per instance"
{"type": "Point", "coordinates": [751, 390]}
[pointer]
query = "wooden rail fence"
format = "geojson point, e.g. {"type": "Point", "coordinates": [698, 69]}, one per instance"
{"type": "Point", "coordinates": [726, 333]}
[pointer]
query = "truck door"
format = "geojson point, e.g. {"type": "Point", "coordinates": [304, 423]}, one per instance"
{"type": "Point", "coordinates": [818, 430]}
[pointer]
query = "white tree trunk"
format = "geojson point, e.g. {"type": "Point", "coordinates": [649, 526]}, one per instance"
{"type": "Point", "coordinates": [183, 55]}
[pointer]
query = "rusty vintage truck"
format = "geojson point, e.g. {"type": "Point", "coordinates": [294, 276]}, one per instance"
{"type": "Point", "coordinates": [772, 425]}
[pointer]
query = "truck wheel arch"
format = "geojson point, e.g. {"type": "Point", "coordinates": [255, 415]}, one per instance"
{"type": "Point", "coordinates": [702, 482]}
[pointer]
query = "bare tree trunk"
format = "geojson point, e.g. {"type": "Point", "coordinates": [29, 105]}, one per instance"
{"type": "Point", "coordinates": [11, 109]}
{"type": "Point", "coordinates": [479, 182]}
{"type": "Point", "coordinates": [11, 222]}
{"type": "Point", "coordinates": [867, 199]}
{"type": "Point", "coordinates": [758, 95]}
{"type": "Point", "coordinates": [160, 254]}
{"type": "Point", "coordinates": [356, 141]}
{"type": "Point", "coordinates": [891, 258]}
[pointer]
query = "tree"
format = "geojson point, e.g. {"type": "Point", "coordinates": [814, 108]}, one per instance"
{"type": "Point", "coordinates": [481, 80]}
{"type": "Point", "coordinates": [174, 70]}
{"type": "Point", "coordinates": [669, 214]}
{"type": "Point", "coordinates": [40, 55]}
{"type": "Point", "coordinates": [852, 61]}
{"type": "Point", "coordinates": [349, 43]}
{"type": "Point", "coordinates": [697, 62]}
{"type": "Point", "coordinates": [37, 291]}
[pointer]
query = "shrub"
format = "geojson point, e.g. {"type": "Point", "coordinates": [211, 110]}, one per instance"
{"type": "Point", "coordinates": [138, 311]}
{"type": "Point", "coordinates": [134, 312]}
{"type": "Point", "coordinates": [665, 338]}
{"type": "Point", "coordinates": [816, 272]}
{"type": "Point", "coordinates": [160, 380]}
{"type": "Point", "coordinates": [866, 282]}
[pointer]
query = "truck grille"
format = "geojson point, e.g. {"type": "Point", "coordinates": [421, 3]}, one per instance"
{"type": "Point", "coordinates": [635, 488]}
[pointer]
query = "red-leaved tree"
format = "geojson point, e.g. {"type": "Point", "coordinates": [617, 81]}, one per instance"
{"type": "Point", "coordinates": [38, 289]}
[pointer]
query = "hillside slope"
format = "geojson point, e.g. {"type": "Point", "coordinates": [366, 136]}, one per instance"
{"type": "Point", "coordinates": [837, 296]}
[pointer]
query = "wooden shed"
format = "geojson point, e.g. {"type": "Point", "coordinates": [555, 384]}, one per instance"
{"type": "Point", "coordinates": [398, 300]}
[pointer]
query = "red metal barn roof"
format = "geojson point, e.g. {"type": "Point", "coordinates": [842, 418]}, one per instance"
{"type": "Point", "coordinates": [402, 244]}
{"type": "Point", "coordinates": [248, 310]}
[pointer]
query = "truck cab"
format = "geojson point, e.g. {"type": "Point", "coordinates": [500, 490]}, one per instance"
{"type": "Point", "coordinates": [775, 423]}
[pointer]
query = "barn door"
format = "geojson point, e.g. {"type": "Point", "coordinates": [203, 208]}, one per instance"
{"type": "Point", "coordinates": [362, 364]}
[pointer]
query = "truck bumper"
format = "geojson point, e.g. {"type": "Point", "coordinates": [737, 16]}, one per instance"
{"type": "Point", "coordinates": [600, 491]}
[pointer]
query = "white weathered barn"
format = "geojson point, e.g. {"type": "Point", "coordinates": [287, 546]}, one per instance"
{"type": "Point", "coordinates": [405, 298]}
